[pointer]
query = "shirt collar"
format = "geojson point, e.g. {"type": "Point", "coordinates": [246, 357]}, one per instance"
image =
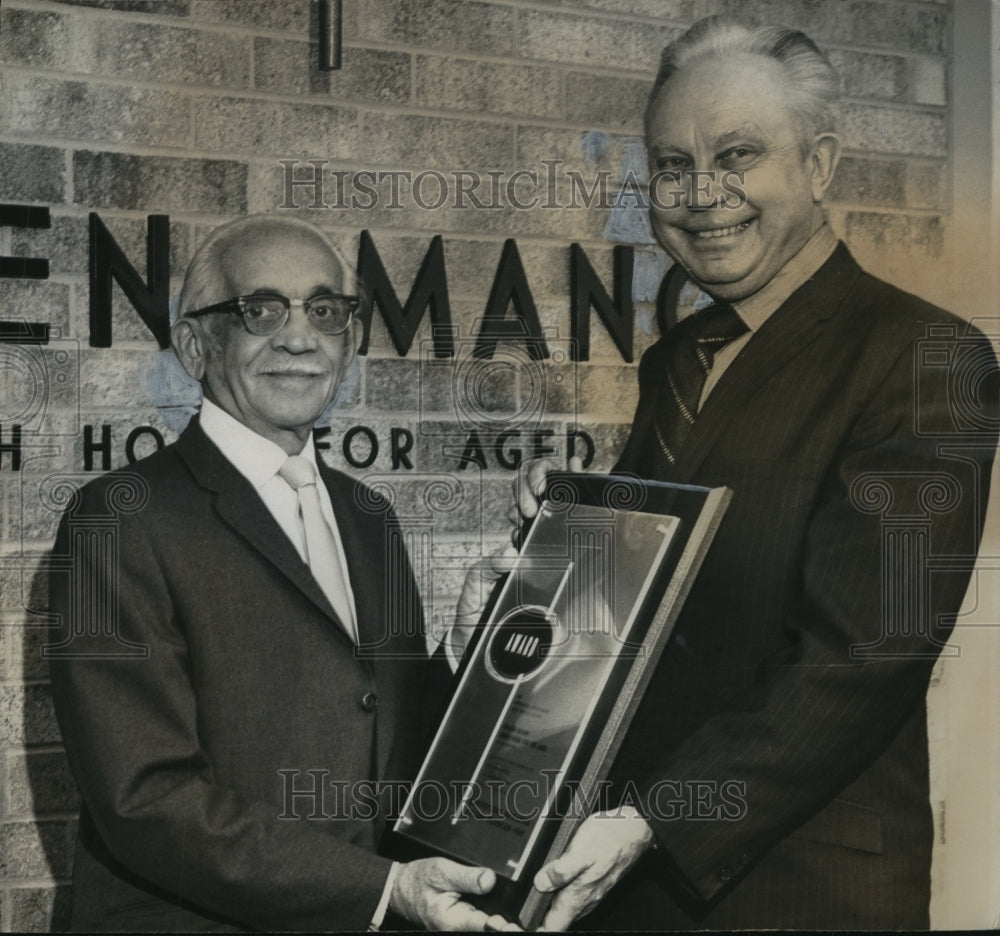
{"type": "Point", "coordinates": [755, 310]}
{"type": "Point", "coordinates": [256, 458]}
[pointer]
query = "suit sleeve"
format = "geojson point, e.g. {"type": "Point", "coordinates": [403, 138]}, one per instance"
{"type": "Point", "coordinates": [863, 634]}
{"type": "Point", "coordinates": [130, 728]}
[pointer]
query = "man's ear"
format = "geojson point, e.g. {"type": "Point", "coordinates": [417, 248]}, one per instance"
{"type": "Point", "coordinates": [823, 163]}
{"type": "Point", "coordinates": [355, 333]}
{"type": "Point", "coordinates": [190, 344]}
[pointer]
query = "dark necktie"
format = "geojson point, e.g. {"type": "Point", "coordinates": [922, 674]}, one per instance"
{"type": "Point", "coordinates": [691, 346]}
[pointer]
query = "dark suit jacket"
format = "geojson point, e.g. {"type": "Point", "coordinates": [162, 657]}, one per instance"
{"type": "Point", "coordinates": [859, 459]}
{"type": "Point", "coordinates": [248, 691]}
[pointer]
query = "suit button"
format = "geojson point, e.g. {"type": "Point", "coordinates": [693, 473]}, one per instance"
{"type": "Point", "coordinates": [725, 874]}
{"type": "Point", "coordinates": [369, 702]}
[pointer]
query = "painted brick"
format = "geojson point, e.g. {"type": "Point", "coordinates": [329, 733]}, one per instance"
{"type": "Point", "coordinates": [32, 173]}
{"type": "Point", "coordinates": [892, 183]}
{"type": "Point", "coordinates": [868, 75]}
{"type": "Point", "coordinates": [920, 28]}
{"type": "Point", "coordinates": [33, 37]}
{"type": "Point", "coordinates": [608, 392]}
{"type": "Point", "coordinates": [30, 850]}
{"type": "Point", "coordinates": [288, 66]}
{"type": "Point", "coordinates": [267, 188]}
{"type": "Point", "coordinates": [25, 586]}
{"type": "Point", "coordinates": [680, 11]}
{"type": "Point", "coordinates": [926, 185]}
{"type": "Point", "coordinates": [869, 181]}
{"type": "Point", "coordinates": [873, 231]}
{"type": "Point", "coordinates": [585, 153]}
{"type": "Point", "coordinates": [66, 243]}
{"type": "Point", "coordinates": [21, 658]}
{"type": "Point", "coordinates": [293, 17]}
{"type": "Point", "coordinates": [38, 384]}
{"type": "Point", "coordinates": [409, 141]}
{"type": "Point", "coordinates": [448, 24]}
{"type": "Point", "coordinates": [39, 783]}
{"type": "Point", "coordinates": [30, 522]}
{"type": "Point", "coordinates": [472, 267]}
{"type": "Point", "coordinates": [32, 301]}
{"type": "Point", "coordinates": [159, 183]}
{"type": "Point", "coordinates": [928, 81]}
{"type": "Point", "coordinates": [564, 37]}
{"type": "Point", "coordinates": [243, 125]}
{"type": "Point", "coordinates": [888, 130]}
{"type": "Point", "coordinates": [112, 377]}
{"type": "Point", "coordinates": [127, 49]}
{"type": "Point", "coordinates": [41, 909]}
{"type": "Point", "coordinates": [106, 113]}
{"type": "Point", "coordinates": [27, 717]}
{"type": "Point", "coordinates": [601, 101]}
{"type": "Point", "coordinates": [158, 7]}
{"type": "Point", "coordinates": [609, 442]}
{"type": "Point", "coordinates": [458, 85]}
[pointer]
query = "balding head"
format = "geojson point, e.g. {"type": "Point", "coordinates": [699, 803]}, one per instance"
{"type": "Point", "coordinates": [275, 375]}
{"type": "Point", "coordinates": [205, 281]}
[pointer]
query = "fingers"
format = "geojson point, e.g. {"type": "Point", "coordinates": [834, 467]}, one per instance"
{"type": "Point", "coordinates": [566, 907]}
{"type": "Point", "coordinates": [502, 562]}
{"type": "Point", "coordinates": [529, 485]}
{"type": "Point", "coordinates": [498, 924]}
{"type": "Point", "coordinates": [576, 463]}
{"type": "Point", "coordinates": [453, 876]}
{"type": "Point", "coordinates": [460, 916]}
{"type": "Point", "coordinates": [560, 872]}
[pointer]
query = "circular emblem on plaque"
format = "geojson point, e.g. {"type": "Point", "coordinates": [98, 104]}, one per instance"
{"type": "Point", "coordinates": [519, 646]}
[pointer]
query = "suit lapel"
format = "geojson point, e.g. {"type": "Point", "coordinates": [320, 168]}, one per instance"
{"type": "Point", "coordinates": [790, 329]}
{"type": "Point", "coordinates": [240, 506]}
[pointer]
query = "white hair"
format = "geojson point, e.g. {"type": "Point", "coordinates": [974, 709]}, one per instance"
{"type": "Point", "coordinates": [202, 280]}
{"type": "Point", "coordinates": [812, 81]}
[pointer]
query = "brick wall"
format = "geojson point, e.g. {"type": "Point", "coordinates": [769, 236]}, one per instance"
{"type": "Point", "coordinates": [185, 107]}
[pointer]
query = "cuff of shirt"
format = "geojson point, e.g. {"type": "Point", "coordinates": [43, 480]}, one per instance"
{"type": "Point", "coordinates": [378, 917]}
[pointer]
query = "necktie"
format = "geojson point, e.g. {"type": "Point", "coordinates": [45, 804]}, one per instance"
{"type": "Point", "coordinates": [322, 553]}
{"type": "Point", "coordinates": [691, 346]}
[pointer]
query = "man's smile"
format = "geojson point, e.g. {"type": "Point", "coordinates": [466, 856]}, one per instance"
{"type": "Point", "coordinates": [716, 233]}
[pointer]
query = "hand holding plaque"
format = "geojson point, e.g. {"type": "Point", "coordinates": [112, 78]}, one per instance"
{"type": "Point", "coordinates": [548, 689]}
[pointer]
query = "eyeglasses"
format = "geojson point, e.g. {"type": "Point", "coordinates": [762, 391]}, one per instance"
{"type": "Point", "coordinates": [267, 313]}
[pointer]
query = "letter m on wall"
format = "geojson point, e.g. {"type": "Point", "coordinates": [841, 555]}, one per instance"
{"type": "Point", "coordinates": [429, 289]}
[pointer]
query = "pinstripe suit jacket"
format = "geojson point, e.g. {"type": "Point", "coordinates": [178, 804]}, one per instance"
{"type": "Point", "coordinates": [859, 457]}
{"type": "Point", "coordinates": [188, 823]}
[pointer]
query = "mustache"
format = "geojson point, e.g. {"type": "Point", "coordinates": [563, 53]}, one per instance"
{"type": "Point", "coordinates": [286, 370]}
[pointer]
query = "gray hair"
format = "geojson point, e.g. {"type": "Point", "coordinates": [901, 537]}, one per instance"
{"type": "Point", "coordinates": [202, 278]}
{"type": "Point", "coordinates": [813, 82]}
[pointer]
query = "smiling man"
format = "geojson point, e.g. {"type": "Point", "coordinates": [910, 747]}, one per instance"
{"type": "Point", "coordinates": [236, 682]}
{"type": "Point", "coordinates": [856, 426]}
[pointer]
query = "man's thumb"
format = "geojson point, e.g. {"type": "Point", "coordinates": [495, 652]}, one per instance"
{"type": "Point", "coordinates": [474, 880]}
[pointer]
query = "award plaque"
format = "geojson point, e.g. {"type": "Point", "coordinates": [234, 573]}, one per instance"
{"type": "Point", "coordinates": [551, 684]}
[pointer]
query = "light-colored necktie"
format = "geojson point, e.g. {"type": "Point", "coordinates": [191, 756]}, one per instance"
{"type": "Point", "coordinates": [322, 553]}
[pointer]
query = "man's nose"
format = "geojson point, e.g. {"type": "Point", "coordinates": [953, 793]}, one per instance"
{"type": "Point", "coordinates": [703, 190]}
{"type": "Point", "coordinates": [298, 334]}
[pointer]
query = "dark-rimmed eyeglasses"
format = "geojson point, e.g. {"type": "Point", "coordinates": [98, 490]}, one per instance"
{"type": "Point", "coordinates": [267, 313]}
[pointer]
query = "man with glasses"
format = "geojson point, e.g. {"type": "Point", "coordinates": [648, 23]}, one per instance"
{"type": "Point", "coordinates": [229, 768]}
